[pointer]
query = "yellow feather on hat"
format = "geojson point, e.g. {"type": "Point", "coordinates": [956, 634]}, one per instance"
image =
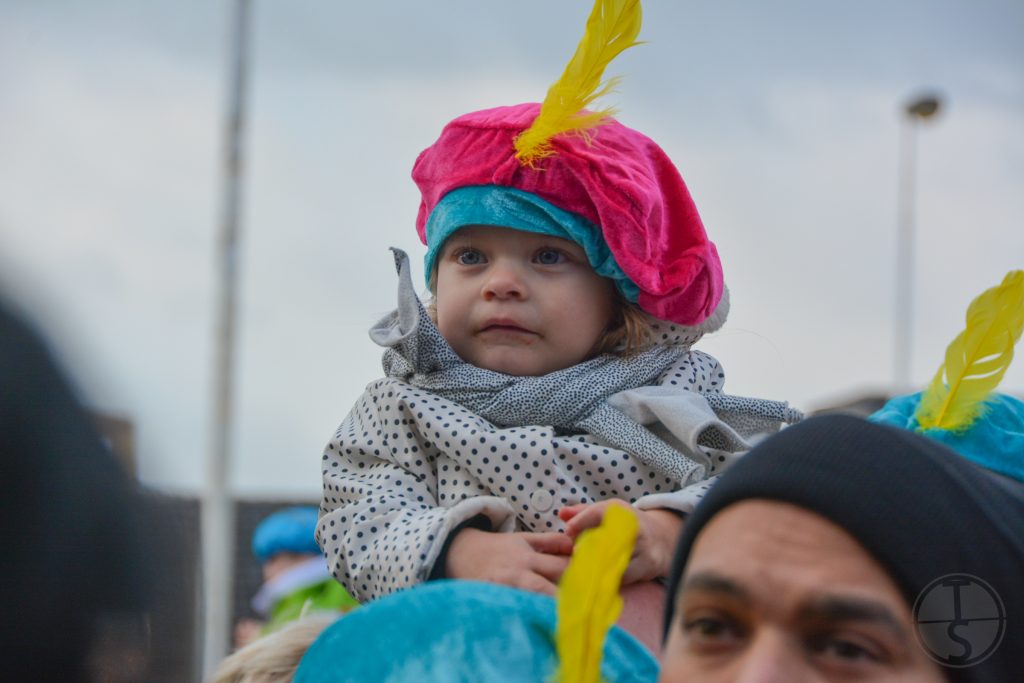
{"type": "Point", "coordinates": [612, 27]}
{"type": "Point", "coordinates": [977, 359]}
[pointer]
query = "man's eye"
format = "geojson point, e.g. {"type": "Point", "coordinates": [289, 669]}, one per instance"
{"type": "Point", "coordinates": [846, 649]}
{"type": "Point", "coordinates": [550, 257]}
{"type": "Point", "coordinates": [469, 257]}
{"type": "Point", "coordinates": [710, 629]}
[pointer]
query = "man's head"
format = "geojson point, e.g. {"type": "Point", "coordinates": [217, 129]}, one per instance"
{"type": "Point", "coordinates": [839, 548]}
{"type": "Point", "coordinates": [775, 592]}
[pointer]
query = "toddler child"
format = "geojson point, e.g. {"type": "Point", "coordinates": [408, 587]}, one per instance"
{"type": "Point", "coordinates": [553, 374]}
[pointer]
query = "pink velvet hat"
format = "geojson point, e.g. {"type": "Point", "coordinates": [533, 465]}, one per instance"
{"type": "Point", "coordinates": [613, 177]}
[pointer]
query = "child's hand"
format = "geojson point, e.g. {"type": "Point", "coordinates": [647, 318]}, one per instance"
{"type": "Point", "coordinates": [655, 541]}
{"type": "Point", "coordinates": [531, 561]}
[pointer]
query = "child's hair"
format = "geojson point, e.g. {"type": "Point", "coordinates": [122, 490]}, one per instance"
{"type": "Point", "coordinates": [275, 657]}
{"type": "Point", "coordinates": [630, 330]}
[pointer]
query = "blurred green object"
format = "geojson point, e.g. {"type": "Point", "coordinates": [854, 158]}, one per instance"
{"type": "Point", "coordinates": [326, 596]}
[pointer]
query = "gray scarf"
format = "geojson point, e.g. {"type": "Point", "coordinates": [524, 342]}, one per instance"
{"type": "Point", "coordinates": [571, 400]}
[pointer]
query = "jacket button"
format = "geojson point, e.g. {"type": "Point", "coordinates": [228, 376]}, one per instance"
{"type": "Point", "coordinates": [541, 500]}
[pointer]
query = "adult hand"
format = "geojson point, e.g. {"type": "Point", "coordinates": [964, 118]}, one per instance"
{"type": "Point", "coordinates": [655, 541]}
{"type": "Point", "coordinates": [531, 561]}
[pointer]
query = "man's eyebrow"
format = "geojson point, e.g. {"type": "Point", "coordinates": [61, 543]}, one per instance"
{"type": "Point", "coordinates": [839, 609]}
{"type": "Point", "coordinates": [709, 582]}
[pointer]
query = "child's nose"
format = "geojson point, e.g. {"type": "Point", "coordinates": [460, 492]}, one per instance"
{"type": "Point", "coordinates": [505, 280]}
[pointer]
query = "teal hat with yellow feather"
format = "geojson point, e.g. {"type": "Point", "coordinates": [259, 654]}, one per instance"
{"type": "Point", "coordinates": [458, 630]}
{"type": "Point", "coordinates": [960, 407]}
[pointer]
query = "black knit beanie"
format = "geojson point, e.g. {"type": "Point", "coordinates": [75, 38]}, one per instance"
{"type": "Point", "coordinates": [938, 523]}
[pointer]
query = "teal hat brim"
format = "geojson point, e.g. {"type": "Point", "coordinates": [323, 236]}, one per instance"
{"type": "Point", "coordinates": [508, 207]}
{"type": "Point", "coordinates": [457, 631]}
{"type": "Point", "coordinates": [995, 440]}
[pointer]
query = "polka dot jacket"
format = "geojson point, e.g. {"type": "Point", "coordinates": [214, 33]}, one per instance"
{"type": "Point", "coordinates": [408, 465]}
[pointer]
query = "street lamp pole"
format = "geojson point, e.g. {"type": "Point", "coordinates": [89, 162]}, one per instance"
{"type": "Point", "coordinates": [915, 111]}
{"type": "Point", "coordinates": [217, 520]}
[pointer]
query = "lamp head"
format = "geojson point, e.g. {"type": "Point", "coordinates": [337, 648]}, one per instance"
{"type": "Point", "coordinates": [923, 107]}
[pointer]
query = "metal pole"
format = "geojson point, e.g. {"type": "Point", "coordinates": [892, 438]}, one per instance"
{"type": "Point", "coordinates": [919, 109]}
{"type": "Point", "coordinates": [904, 255]}
{"type": "Point", "coordinates": [218, 512]}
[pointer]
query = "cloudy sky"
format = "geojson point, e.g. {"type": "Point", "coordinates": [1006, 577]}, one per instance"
{"type": "Point", "coordinates": [783, 117]}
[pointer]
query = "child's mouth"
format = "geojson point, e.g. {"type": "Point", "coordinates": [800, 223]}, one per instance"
{"type": "Point", "coordinates": [504, 326]}
{"type": "Point", "coordinates": [511, 328]}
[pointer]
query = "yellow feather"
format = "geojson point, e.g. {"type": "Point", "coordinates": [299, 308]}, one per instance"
{"type": "Point", "coordinates": [588, 595]}
{"type": "Point", "coordinates": [977, 359]}
{"type": "Point", "coordinates": [612, 27]}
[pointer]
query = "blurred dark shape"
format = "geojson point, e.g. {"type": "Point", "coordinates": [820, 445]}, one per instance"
{"type": "Point", "coordinates": [924, 106]}
{"type": "Point", "coordinates": [74, 566]}
{"type": "Point", "coordinates": [172, 618]}
{"type": "Point", "coordinates": [118, 434]}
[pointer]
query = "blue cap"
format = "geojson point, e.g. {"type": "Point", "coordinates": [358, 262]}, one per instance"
{"type": "Point", "coordinates": [290, 530]}
{"type": "Point", "coordinates": [457, 631]}
{"type": "Point", "coordinates": [995, 440]}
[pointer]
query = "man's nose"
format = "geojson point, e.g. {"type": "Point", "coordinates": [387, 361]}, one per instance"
{"type": "Point", "coordinates": [505, 280]}
{"type": "Point", "coordinates": [772, 657]}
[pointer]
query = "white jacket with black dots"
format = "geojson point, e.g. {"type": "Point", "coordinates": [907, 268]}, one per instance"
{"type": "Point", "coordinates": [406, 467]}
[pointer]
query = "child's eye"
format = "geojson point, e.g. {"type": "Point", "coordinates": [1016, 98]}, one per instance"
{"type": "Point", "coordinates": [469, 257]}
{"type": "Point", "coordinates": [550, 257]}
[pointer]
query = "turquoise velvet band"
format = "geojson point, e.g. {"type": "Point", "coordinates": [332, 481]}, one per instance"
{"type": "Point", "coordinates": [995, 440]}
{"type": "Point", "coordinates": [458, 630]}
{"type": "Point", "coordinates": [511, 208]}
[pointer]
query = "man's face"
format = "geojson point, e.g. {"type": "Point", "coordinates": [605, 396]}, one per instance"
{"type": "Point", "coordinates": [518, 302]}
{"type": "Point", "coordinates": [773, 592]}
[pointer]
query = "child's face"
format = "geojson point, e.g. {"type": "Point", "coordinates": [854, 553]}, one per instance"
{"type": "Point", "coordinates": [518, 302]}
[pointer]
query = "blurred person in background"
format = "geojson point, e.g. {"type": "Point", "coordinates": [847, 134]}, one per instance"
{"type": "Point", "coordinates": [296, 578]}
